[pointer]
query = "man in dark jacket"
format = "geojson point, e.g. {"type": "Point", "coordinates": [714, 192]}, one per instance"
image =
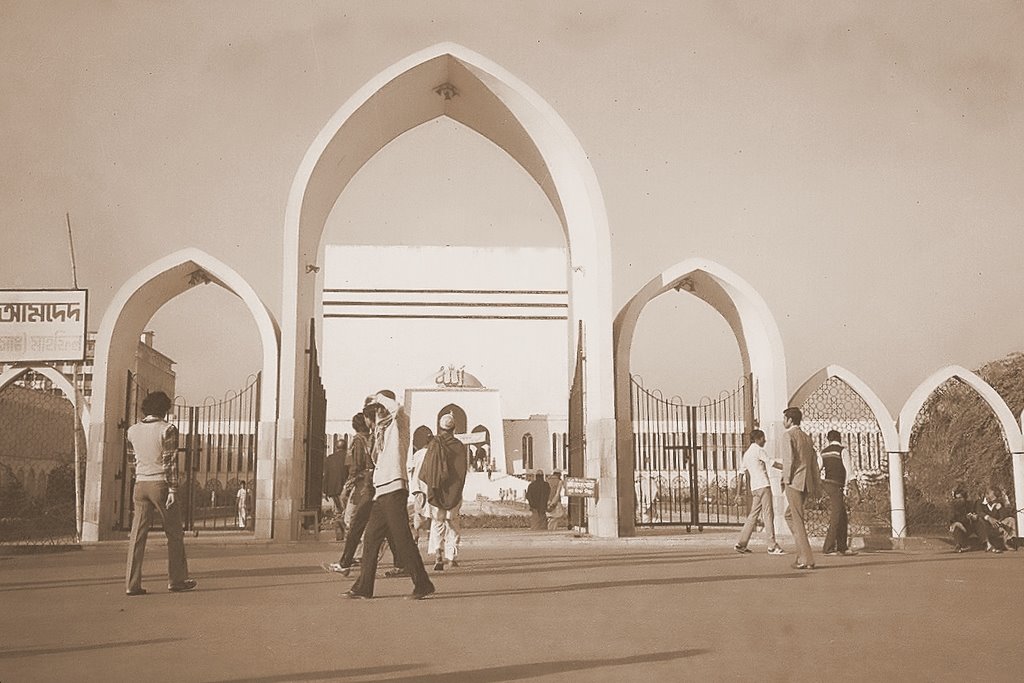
{"type": "Point", "coordinates": [537, 494]}
{"type": "Point", "coordinates": [444, 473]}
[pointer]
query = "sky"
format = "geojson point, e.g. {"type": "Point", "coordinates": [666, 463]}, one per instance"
{"type": "Point", "coordinates": [859, 164]}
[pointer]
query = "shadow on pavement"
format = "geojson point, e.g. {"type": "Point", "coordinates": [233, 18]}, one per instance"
{"type": "Point", "coordinates": [631, 583]}
{"type": "Point", "coordinates": [510, 672]}
{"type": "Point", "coordinates": [31, 651]}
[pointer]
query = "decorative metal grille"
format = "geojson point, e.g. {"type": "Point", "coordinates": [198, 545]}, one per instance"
{"type": "Point", "coordinates": [835, 405]}
{"type": "Point", "coordinates": [38, 429]}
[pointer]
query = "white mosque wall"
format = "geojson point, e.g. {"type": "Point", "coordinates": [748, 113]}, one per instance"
{"type": "Point", "coordinates": [501, 313]}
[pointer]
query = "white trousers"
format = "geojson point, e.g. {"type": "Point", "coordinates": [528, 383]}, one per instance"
{"type": "Point", "coordinates": [445, 532]}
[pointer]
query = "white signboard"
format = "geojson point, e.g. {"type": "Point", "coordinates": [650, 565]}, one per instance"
{"type": "Point", "coordinates": [42, 325]}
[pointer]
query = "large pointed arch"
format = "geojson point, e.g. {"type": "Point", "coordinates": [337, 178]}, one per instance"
{"type": "Point", "coordinates": [73, 394]}
{"type": "Point", "coordinates": [450, 80]}
{"type": "Point", "coordinates": [130, 310]}
{"type": "Point", "coordinates": [916, 401]}
{"type": "Point", "coordinates": [757, 335]}
{"type": "Point", "coordinates": [890, 437]}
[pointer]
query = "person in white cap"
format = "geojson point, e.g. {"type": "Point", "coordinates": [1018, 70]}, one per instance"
{"type": "Point", "coordinates": [444, 474]}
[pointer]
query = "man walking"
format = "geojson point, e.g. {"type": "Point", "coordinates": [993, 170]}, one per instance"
{"type": "Point", "coordinates": [757, 463]}
{"type": "Point", "coordinates": [153, 451]}
{"type": "Point", "coordinates": [838, 468]}
{"type": "Point", "coordinates": [537, 495]}
{"type": "Point", "coordinates": [444, 473]}
{"type": "Point", "coordinates": [389, 516]}
{"type": "Point", "coordinates": [800, 479]}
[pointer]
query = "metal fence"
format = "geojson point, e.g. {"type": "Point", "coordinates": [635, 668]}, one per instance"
{"type": "Point", "coordinates": [835, 405]}
{"type": "Point", "coordinates": [686, 458]}
{"type": "Point", "coordinates": [38, 433]}
{"type": "Point", "coordinates": [217, 444]}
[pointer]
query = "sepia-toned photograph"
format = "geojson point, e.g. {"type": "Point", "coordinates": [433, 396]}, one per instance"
{"type": "Point", "coordinates": [480, 341]}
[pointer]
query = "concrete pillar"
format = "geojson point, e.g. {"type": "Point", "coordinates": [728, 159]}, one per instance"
{"type": "Point", "coordinates": [1018, 489]}
{"type": "Point", "coordinates": [897, 497]}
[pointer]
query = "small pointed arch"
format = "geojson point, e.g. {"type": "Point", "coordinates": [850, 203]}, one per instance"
{"type": "Point", "coordinates": [129, 312]}
{"type": "Point", "coordinates": [752, 323]}
{"type": "Point", "coordinates": [421, 437]}
{"type": "Point", "coordinates": [77, 398]}
{"type": "Point", "coordinates": [1011, 429]}
{"type": "Point", "coordinates": [890, 437]}
{"type": "Point", "coordinates": [147, 291]}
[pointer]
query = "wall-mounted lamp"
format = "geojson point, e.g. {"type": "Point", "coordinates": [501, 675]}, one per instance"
{"type": "Point", "coordinates": [685, 285]}
{"type": "Point", "coordinates": [198, 277]}
{"type": "Point", "coordinates": [447, 91]}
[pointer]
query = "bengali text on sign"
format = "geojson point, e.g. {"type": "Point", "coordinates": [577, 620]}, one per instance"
{"type": "Point", "coordinates": [42, 325]}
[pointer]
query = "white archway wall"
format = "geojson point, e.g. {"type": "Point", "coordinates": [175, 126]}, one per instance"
{"type": "Point", "coordinates": [124, 321]}
{"type": "Point", "coordinates": [506, 111]}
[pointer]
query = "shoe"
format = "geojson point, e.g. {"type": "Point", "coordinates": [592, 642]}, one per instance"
{"type": "Point", "coordinates": [337, 568]}
{"type": "Point", "coordinates": [958, 549]}
{"type": "Point", "coordinates": [995, 550]}
{"type": "Point", "coordinates": [801, 565]}
{"type": "Point", "coordinates": [396, 573]}
{"type": "Point", "coordinates": [742, 548]}
{"type": "Point", "coordinates": [136, 591]}
{"type": "Point", "coordinates": [416, 595]}
{"type": "Point", "coordinates": [454, 563]}
{"type": "Point", "coordinates": [776, 550]}
{"type": "Point", "coordinates": [355, 596]}
{"type": "Point", "coordinates": [832, 553]}
{"type": "Point", "coordinates": [186, 585]}
{"type": "Point", "coordinates": [439, 566]}
{"type": "Point", "coordinates": [847, 552]}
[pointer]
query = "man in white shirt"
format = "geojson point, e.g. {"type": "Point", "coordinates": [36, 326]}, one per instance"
{"type": "Point", "coordinates": [756, 463]}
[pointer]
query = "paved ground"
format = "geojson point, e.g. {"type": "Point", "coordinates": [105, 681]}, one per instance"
{"type": "Point", "coordinates": [524, 606]}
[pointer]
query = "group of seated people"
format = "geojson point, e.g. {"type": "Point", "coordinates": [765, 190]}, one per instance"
{"type": "Point", "coordinates": [988, 523]}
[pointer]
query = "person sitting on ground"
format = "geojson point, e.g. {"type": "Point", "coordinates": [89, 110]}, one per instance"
{"type": "Point", "coordinates": [995, 519]}
{"type": "Point", "coordinates": [961, 520]}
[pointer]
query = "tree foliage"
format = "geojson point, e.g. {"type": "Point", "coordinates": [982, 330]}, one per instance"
{"type": "Point", "coordinates": [957, 439]}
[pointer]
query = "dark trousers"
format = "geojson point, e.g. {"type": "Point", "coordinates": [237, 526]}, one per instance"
{"type": "Point", "coordinates": [838, 522]}
{"type": "Point", "coordinates": [989, 534]}
{"type": "Point", "coordinates": [389, 519]}
{"type": "Point", "coordinates": [962, 530]}
{"type": "Point", "coordinates": [355, 533]}
{"type": "Point", "coordinates": [538, 520]}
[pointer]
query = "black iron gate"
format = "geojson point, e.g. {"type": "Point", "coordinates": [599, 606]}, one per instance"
{"type": "Point", "coordinates": [216, 458]}
{"type": "Point", "coordinates": [686, 458]}
{"type": "Point", "coordinates": [316, 429]}
{"type": "Point", "coordinates": [577, 438]}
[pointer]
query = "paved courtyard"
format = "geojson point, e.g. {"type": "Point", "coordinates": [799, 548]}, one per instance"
{"type": "Point", "coordinates": [523, 606]}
